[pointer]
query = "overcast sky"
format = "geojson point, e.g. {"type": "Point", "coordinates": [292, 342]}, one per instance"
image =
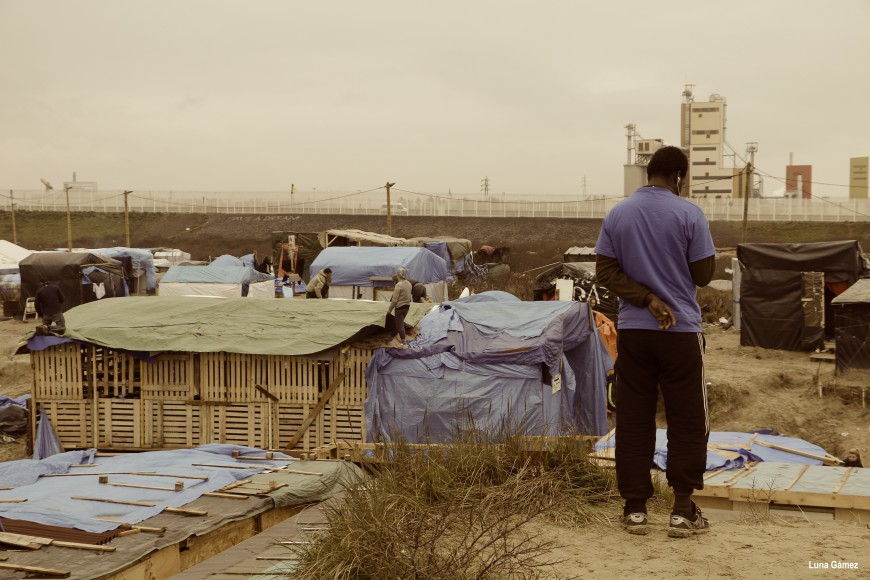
{"type": "Point", "coordinates": [342, 96]}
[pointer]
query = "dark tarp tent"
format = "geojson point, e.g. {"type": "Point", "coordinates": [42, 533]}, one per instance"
{"type": "Point", "coordinates": [79, 275]}
{"type": "Point", "coordinates": [491, 363]}
{"type": "Point", "coordinates": [852, 314]}
{"type": "Point", "coordinates": [786, 291]}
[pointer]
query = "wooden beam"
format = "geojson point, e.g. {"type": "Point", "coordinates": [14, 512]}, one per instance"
{"type": "Point", "coordinates": [118, 501]}
{"type": "Point", "coordinates": [797, 477]}
{"type": "Point", "coordinates": [822, 458]}
{"type": "Point", "coordinates": [37, 569]}
{"type": "Point", "coordinates": [843, 480]}
{"type": "Point", "coordinates": [309, 419]}
{"type": "Point", "coordinates": [104, 480]}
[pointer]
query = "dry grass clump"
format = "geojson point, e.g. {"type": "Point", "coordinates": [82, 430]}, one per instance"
{"type": "Point", "coordinates": [715, 304]}
{"type": "Point", "coordinates": [724, 399]}
{"type": "Point", "coordinates": [457, 511]}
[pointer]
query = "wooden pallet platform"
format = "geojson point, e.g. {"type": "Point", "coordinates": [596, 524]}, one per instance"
{"type": "Point", "coordinates": [842, 491]}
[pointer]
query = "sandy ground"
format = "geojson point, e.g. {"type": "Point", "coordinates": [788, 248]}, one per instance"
{"type": "Point", "coordinates": [750, 388]}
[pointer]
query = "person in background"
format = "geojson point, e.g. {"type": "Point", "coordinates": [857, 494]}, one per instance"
{"type": "Point", "coordinates": [401, 303]}
{"type": "Point", "coordinates": [49, 306]}
{"type": "Point", "coordinates": [318, 287]}
{"type": "Point", "coordinates": [653, 250]}
{"type": "Point", "coordinates": [853, 458]}
{"type": "Point", "coordinates": [418, 291]}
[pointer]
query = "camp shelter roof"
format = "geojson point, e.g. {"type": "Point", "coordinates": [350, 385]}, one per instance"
{"type": "Point", "coordinates": [327, 238]}
{"type": "Point", "coordinates": [197, 324]}
{"type": "Point", "coordinates": [227, 260]}
{"type": "Point", "coordinates": [10, 255]}
{"type": "Point", "coordinates": [214, 275]}
{"type": "Point", "coordinates": [842, 256]}
{"type": "Point", "coordinates": [857, 293]}
{"type": "Point", "coordinates": [457, 247]}
{"type": "Point", "coordinates": [354, 266]}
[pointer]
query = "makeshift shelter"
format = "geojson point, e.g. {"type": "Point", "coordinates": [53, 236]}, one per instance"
{"type": "Point", "coordinates": [82, 277]}
{"type": "Point", "coordinates": [578, 280]}
{"type": "Point", "coordinates": [786, 290]}
{"type": "Point", "coordinates": [162, 372]}
{"type": "Point", "coordinates": [366, 272]}
{"type": "Point", "coordinates": [222, 281]}
{"type": "Point", "coordinates": [852, 316]}
{"type": "Point", "coordinates": [537, 368]}
{"type": "Point", "coordinates": [10, 255]}
{"type": "Point", "coordinates": [142, 273]}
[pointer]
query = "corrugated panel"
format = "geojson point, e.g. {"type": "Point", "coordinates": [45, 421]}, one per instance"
{"type": "Point", "coordinates": [57, 533]}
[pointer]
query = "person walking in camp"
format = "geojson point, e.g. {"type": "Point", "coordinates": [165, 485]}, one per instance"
{"type": "Point", "coordinates": [318, 287]}
{"type": "Point", "coordinates": [401, 303]}
{"type": "Point", "coordinates": [49, 306]}
{"type": "Point", "coordinates": [653, 250]}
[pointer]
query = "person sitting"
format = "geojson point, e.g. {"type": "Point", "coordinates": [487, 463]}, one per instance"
{"type": "Point", "coordinates": [318, 287]}
{"type": "Point", "coordinates": [49, 306]}
{"type": "Point", "coordinates": [853, 458]}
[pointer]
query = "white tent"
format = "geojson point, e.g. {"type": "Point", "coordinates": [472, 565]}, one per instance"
{"type": "Point", "coordinates": [10, 255]}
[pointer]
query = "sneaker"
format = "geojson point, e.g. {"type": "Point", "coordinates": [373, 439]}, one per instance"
{"type": "Point", "coordinates": [635, 523]}
{"type": "Point", "coordinates": [683, 527]}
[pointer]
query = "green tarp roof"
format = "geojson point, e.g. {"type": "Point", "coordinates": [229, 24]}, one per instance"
{"type": "Point", "coordinates": [242, 325]}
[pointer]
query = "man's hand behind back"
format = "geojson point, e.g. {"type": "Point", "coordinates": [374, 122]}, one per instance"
{"type": "Point", "coordinates": [662, 312]}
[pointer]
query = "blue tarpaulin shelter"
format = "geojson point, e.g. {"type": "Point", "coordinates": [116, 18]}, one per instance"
{"type": "Point", "coordinates": [141, 261]}
{"type": "Point", "coordinates": [211, 280]}
{"type": "Point", "coordinates": [354, 266]}
{"type": "Point", "coordinates": [491, 363]}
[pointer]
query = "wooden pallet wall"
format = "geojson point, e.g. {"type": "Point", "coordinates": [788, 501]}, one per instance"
{"type": "Point", "coordinates": [99, 397]}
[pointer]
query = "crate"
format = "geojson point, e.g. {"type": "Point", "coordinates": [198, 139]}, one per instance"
{"type": "Point", "coordinates": [100, 397]}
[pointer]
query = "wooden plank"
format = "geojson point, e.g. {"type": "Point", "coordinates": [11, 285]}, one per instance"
{"type": "Point", "coordinates": [843, 480]}
{"type": "Point", "coordinates": [797, 477]}
{"type": "Point", "coordinates": [118, 501]}
{"type": "Point", "coordinates": [312, 415]}
{"type": "Point", "coordinates": [824, 459]}
{"type": "Point", "coordinates": [36, 569]}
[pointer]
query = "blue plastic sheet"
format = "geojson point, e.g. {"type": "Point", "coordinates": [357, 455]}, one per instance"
{"type": "Point", "coordinates": [141, 260]}
{"type": "Point", "coordinates": [49, 499]}
{"type": "Point", "coordinates": [454, 373]}
{"type": "Point", "coordinates": [735, 443]}
{"type": "Point", "coordinates": [354, 266]}
{"type": "Point", "coordinates": [215, 274]}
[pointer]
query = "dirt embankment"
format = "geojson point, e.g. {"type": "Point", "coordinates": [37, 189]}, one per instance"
{"type": "Point", "coordinates": [538, 241]}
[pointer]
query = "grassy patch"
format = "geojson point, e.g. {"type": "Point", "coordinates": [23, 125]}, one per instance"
{"type": "Point", "coordinates": [458, 511]}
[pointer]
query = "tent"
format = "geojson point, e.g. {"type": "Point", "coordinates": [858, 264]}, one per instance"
{"type": "Point", "coordinates": [539, 367]}
{"type": "Point", "coordinates": [354, 267]}
{"type": "Point", "coordinates": [223, 281]}
{"type": "Point", "coordinates": [10, 255]}
{"type": "Point", "coordinates": [143, 274]}
{"type": "Point", "coordinates": [82, 277]}
{"type": "Point", "coordinates": [786, 291]}
{"type": "Point", "coordinates": [852, 315]}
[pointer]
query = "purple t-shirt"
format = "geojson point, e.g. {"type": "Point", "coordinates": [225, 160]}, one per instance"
{"type": "Point", "coordinates": [654, 235]}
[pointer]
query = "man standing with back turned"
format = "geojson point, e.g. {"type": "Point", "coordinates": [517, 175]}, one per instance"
{"type": "Point", "coordinates": [653, 249]}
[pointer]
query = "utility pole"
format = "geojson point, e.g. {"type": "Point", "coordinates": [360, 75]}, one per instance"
{"type": "Point", "coordinates": [745, 193]}
{"type": "Point", "coordinates": [126, 219]}
{"type": "Point", "coordinates": [68, 220]}
{"type": "Point", "coordinates": [14, 229]}
{"type": "Point", "coordinates": [389, 210]}
{"type": "Point", "coordinates": [584, 187]}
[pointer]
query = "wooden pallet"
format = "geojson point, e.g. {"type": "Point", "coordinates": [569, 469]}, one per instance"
{"type": "Point", "coordinates": [842, 491]}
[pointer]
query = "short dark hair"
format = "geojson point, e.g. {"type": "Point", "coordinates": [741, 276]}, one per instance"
{"type": "Point", "coordinates": [667, 161]}
{"type": "Point", "coordinates": [327, 270]}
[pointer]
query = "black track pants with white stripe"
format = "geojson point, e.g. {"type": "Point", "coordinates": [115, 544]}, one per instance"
{"type": "Point", "coordinates": [673, 361]}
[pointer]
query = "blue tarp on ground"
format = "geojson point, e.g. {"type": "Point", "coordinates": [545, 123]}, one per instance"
{"type": "Point", "coordinates": [215, 275]}
{"type": "Point", "coordinates": [749, 449]}
{"type": "Point", "coordinates": [490, 362]}
{"type": "Point", "coordinates": [354, 266]}
{"type": "Point", "coordinates": [49, 499]}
